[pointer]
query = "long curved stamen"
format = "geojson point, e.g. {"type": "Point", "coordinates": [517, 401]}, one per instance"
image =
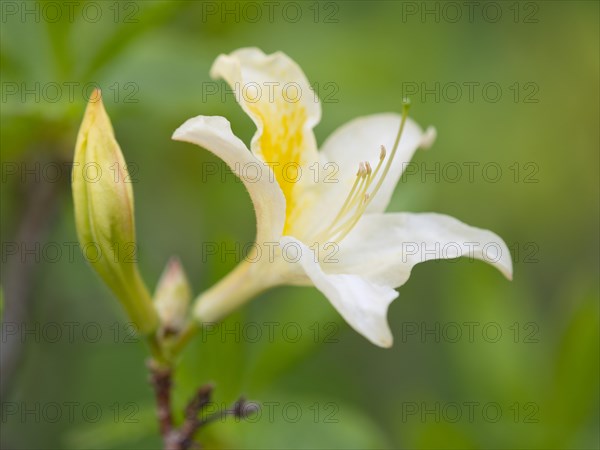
{"type": "Point", "coordinates": [360, 184]}
{"type": "Point", "coordinates": [360, 179]}
{"type": "Point", "coordinates": [405, 108]}
{"type": "Point", "coordinates": [358, 201]}
{"type": "Point", "coordinates": [343, 231]}
{"type": "Point", "coordinates": [380, 163]}
{"type": "Point", "coordinates": [358, 198]}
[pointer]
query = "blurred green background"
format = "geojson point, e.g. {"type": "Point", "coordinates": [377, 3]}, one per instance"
{"type": "Point", "coordinates": [533, 386]}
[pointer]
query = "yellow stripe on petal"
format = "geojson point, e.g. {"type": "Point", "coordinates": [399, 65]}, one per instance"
{"type": "Point", "coordinates": [282, 145]}
{"type": "Point", "coordinates": [274, 92]}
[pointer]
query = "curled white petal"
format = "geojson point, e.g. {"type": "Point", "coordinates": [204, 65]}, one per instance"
{"type": "Point", "coordinates": [385, 247]}
{"type": "Point", "coordinates": [362, 303]}
{"type": "Point", "coordinates": [214, 133]}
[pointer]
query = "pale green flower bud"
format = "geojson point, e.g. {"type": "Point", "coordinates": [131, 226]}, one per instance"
{"type": "Point", "coordinates": [103, 201]}
{"type": "Point", "coordinates": [172, 297]}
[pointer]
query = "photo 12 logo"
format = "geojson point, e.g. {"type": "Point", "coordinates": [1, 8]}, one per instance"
{"type": "Point", "coordinates": [66, 91]}
{"type": "Point", "coordinates": [270, 92]}
{"type": "Point", "coordinates": [469, 12]}
{"type": "Point", "coordinates": [453, 332]}
{"type": "Point", "coordinates": [56, 252]}
{"type": "Point", "coordinates": [53, 172]}
{"type": "Point", "coordinates": [471, 91]}
{"type": "Point", "coordinates": [253, 172]}
{"type": "Point", "coordinates": [469, 412]}
{"type": "Point", "coordinates": [270, 411]}
{"type": "Point", "coordinates": [69, 332]}
{"type": "Point", "coordinates": [69, 11]}
{"type": "Point", "coordinates": [270, 12]}
{"type": "Point", "coordinates": [270, 332]}
{"type": "Point", "coordinates": [471, 172]}
{"type": "Point", "coordinates": [68, 412]}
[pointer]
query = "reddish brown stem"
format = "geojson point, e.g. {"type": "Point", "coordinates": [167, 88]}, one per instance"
{"type": "Point", "coordinates": [182, 438]}
{"type": "Point", "coordinates": [160, 377]}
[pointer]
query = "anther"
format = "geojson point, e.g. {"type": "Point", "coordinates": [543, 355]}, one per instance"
{"type": "Point", "coordinates": [361, 170]}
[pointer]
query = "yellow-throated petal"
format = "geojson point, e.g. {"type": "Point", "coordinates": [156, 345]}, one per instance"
{"type": "Point", "coordinates": [274, 92]}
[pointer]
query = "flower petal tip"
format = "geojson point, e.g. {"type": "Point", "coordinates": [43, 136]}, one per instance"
{"type": "Point", "coordinates": [174, 265]}
{"type": "Point", "coordinates": [184, 129]}
{"type": "Point", "coordinates": [179, 133]}
{"type": "Point", "coordinates": [428, 138]}
{"type": "Point", "coordinates": [386, 343]}
{"type": "Point", "coordinates": [96, 96]}
{"type": "Point", "coordinates": [199, 124]}
{"type": "Point", "coordinates": [506, 265]}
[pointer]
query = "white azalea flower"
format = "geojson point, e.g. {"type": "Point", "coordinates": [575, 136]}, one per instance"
{"type": "Point", "coordinates": [333, 235]}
